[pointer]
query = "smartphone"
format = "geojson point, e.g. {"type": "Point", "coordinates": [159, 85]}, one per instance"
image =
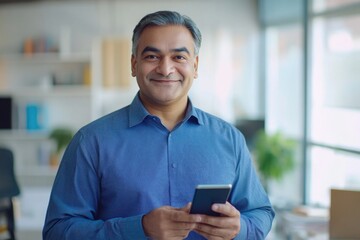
{"type": "Point", "coordinates": [207, 195]}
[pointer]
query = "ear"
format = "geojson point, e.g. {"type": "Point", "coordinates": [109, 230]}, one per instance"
{"type": "Point", "coordinates": [133, 65]}
{"type": "Point", "coordinates": [196, 64]}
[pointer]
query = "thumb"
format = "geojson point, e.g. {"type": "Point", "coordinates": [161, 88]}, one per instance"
{"type": "Point", "coordinates": [186, 208]}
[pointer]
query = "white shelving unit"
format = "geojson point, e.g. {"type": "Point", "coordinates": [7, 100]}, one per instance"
{"type": "Point", "coordinates": [31, 168]}
{"type": "Point", "coordinates": [56, 83]}
{"type": "Point", "coordinates": [53, 82]}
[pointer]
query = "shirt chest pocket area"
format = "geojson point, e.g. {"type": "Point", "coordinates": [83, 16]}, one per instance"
{"type": "Point", "coordinates": [210, 170]}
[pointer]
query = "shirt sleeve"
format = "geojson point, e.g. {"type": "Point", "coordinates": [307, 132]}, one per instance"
{"type": "Point", "coordinates": [250, 198]}
{"type": "Point", "coordinates": [72, 211]}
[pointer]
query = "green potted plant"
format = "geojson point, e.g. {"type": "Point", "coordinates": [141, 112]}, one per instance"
{"type": "Point", "coordinates": [274, 155]}
{"type": "Point", "coordinates": [61, 136]}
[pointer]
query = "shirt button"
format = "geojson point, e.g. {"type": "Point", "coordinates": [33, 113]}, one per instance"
{"type": "Point", "coordinates": [173, 165]}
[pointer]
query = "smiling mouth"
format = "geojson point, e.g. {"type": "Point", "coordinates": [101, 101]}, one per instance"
{"type": "Point", "coordinates": [165, 80]}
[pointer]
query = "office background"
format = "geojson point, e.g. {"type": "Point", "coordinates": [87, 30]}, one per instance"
{"type": "Point", "coordinates": [293, 64]}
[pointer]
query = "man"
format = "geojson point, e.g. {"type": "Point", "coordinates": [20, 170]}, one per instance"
{"type": "Point", "coordinates": [132, 173]}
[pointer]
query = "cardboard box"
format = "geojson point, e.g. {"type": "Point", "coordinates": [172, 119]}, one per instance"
{"type": "Point", "coordinates": [345, 214]}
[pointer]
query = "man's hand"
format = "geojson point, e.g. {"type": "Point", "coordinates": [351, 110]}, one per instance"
{"type": "Point", "coordinates": [169, 223]}
{"type": "Point", "coordinates": [227, 226]}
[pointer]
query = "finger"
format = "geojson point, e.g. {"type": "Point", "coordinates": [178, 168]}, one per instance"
{"type": "Point", "coordinates": [220, 222]}
{"type": "Point", "coordinates": [225, 209]}
{"type": "Point", "coordinates": [229, 223]}
{"type": "Point", "coordinates": [158, 224]}
{"type": "Point", "coordinates": [183, 226]}
{"type": "Point", "coordinates": [183, 216]}
{"type": "Point", "coordinates": [211, 232]}
{"type": "Point", "coordinates": [186, 208]}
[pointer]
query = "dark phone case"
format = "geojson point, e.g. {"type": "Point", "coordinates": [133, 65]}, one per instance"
{"type": "Point", "coordinates": [204, 198]}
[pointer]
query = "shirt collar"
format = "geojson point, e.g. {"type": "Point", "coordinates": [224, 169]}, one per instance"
{"type": "Point", "coordinates": [138, 113]}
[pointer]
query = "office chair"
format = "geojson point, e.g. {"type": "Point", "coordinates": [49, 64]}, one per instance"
{"type": "Point", "coordinates": [8, 189]}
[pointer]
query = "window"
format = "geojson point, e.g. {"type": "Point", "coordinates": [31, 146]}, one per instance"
{"type": "Point", "coordinates": [330, 168]}
{"type": "Point", "coordinates": [329, 82]}
{"type": "Point", "coordinates": [322, 5]}
{"type": "Point", "coordinates": [334, 107]}
{"type": "Point", "coordinates": [284, 79]}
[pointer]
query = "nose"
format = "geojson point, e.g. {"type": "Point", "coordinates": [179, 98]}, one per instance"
{"type": "Point", "coordinates": [165, 67]}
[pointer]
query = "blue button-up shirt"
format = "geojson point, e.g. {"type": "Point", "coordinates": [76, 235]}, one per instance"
{"type": "Point", "coordinates": [125, 164]}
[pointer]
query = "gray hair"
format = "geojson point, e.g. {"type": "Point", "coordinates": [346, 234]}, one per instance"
{"type": "Point", "coordinates": [162, 18]}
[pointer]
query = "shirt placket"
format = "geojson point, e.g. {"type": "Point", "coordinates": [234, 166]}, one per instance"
{"type": "Point", "coordinates": [173, 171]}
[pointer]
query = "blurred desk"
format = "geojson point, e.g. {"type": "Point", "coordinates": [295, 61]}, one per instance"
{"type": "Point", "coordinates": [304, 225]}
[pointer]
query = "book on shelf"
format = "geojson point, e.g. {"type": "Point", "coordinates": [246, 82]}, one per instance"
{"type": "Point", "coordinates": [87, 78]}
{"type": "Point", "coordinates": [6, 112]}
{"type": "Point", "coordinates": [36, 116]}
{"type": "Point", "coordinates": [116, 63]}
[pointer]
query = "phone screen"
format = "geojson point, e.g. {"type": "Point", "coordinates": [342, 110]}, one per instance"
{"type": "Point", "coordinates": [206, 195]}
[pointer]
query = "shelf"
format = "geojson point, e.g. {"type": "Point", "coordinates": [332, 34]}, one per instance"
{"type": "Point", "coordinates": [23, 135]}
{"type": "Point", "coordinates": [70, 90]}
{"type": "Point", "coordinates": [39, 170]}
{"type": "Point", "coordinates": [36, 180]}
{"type": "Point", "coordinates": [45, 57]}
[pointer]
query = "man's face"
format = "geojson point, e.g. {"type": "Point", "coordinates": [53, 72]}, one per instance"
{"type": "Point", "coordinates": [165, 64]}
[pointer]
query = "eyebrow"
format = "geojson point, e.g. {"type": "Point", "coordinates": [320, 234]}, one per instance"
{"type": "Point", "coordinates": [153, 49]}
{"type": "Point", "coordinates": [183, 49]}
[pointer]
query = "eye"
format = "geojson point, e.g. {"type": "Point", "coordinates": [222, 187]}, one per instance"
{"type": "Point", "coordinates": [180, 58]}
{"type": "Point", "coordinates": [151, 57]}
